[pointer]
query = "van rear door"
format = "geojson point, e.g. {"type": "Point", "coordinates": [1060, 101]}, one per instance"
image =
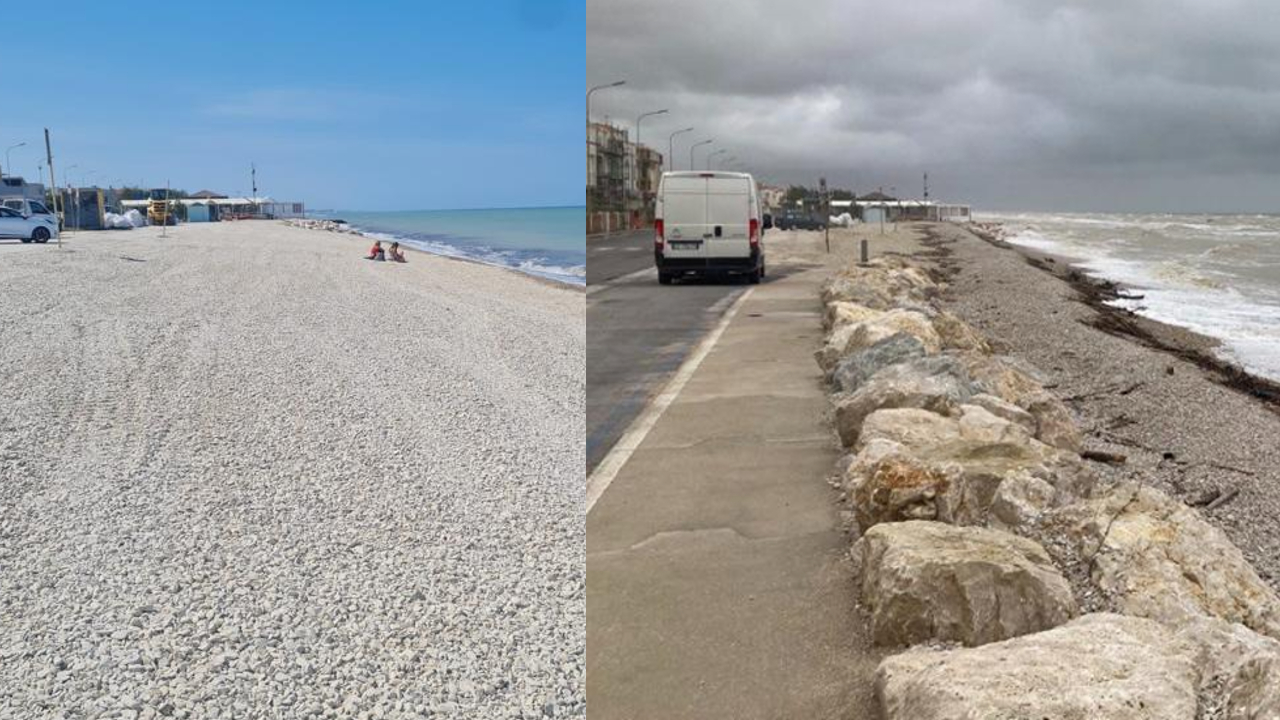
{"type": "Point", "coordinates": [684, 217]}
{"type": "Point", "coordinates": [728, 212]}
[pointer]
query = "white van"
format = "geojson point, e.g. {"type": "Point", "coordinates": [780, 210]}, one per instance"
{"type": "Point", "coordinates": [709, 223]}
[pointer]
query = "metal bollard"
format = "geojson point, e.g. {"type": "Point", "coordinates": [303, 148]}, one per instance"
{"type": "Point", "coordinates": [864, 251]}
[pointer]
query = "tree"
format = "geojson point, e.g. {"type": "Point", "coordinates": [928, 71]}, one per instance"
{"type": "Point", "coordinates": [796, 193]}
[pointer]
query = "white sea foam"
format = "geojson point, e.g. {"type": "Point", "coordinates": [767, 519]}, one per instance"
{"type": "Point", "coordinates": [538, 266]}
{"type": "Point", "coordinates": [1215, 275]}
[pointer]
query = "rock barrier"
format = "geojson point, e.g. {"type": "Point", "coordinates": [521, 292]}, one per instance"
{"type": "Point", "coordinates": [981, 524]}
{"type": "Point", "coordinates": [338, 226]}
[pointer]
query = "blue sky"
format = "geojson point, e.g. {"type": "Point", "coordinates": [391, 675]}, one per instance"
{"type": "Point", "coordinates": [369, 105]}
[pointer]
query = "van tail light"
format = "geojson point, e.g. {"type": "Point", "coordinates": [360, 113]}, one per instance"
{"type": "Point", "coordinates": [658, 237]}
{"type": "Point", "coordinates": [753, 232]}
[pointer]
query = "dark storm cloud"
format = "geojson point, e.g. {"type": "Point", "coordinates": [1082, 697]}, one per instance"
{"type": "Point", "coordinates": [1087, 105]}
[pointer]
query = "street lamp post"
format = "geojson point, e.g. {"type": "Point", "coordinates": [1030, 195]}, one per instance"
{"type": "Point", "coordinates": [671, 146]}
{"type": "Point", "coordinates": [713, 154]}
{"type": "Point", "coordinates": [695, 147]}
{"type": "Point", "coordinates": [643, 116]}
{"type": "Point", "coordinates": [6, 158]}
{"type": "Point", "coordinates": [636, 165]}
{"type": "Point", "coordinates": [598, 87]}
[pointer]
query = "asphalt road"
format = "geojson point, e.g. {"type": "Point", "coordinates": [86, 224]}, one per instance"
{"type": "Point", "coordinates": [638, 332]}
{"type": "Point", "coordinates": [616, 255]}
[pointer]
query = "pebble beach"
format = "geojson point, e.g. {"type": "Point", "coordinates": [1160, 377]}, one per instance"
{"type": "Point", "coordinates": [1152, 396]}
{"type": "Point", "coordinates": [246, 473]}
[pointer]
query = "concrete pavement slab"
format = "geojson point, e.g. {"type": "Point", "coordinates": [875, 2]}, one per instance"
{"type": "Point", "coordinates": [717, 579]}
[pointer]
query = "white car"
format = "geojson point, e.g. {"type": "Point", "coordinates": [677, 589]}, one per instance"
{"type": "Point", "coordinates": [709, 223]}
{"type": "Point", "coordinates": [38, 227]}
{"type": "Point", "coordinates": [26, 206]}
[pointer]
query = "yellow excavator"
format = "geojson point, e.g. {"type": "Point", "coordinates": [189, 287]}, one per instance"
{"type": "Point", "coordinates": [158, 210]}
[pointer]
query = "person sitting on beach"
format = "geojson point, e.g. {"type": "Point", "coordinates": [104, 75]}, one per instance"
{"type": "Point", "coordinates": [396, 254]}
{"type": "Point", "coordinates": [376, 252]}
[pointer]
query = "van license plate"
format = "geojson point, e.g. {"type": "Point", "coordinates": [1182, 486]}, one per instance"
{"type": "Point", "coordinates": [686, 244]}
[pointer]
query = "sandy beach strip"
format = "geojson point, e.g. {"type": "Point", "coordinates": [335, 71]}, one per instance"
{"type": "Point", "coordinates": [245, 472]}
{"type": "Point", "coordinates": [1149, 392]}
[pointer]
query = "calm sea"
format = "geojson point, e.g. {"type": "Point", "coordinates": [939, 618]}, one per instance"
{"type": "Point", "coordinates": [547, 242]}
{"type": "Point", "coordinates": [1218, 275]}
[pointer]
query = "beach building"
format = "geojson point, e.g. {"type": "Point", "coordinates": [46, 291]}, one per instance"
{"type": "Point", "coordinates": [218, 208]}
{"type": "Point", "coordinates": [15, 187]}
{"type": "Point", "coordinates": [890, 210]}
{"type": "Point", "coordinates": [201, 210]}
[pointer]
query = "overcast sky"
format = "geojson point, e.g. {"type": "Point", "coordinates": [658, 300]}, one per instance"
{"type": "Point", "coordinates": [1145, 105]}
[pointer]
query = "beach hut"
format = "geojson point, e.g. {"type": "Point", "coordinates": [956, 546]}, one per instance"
{"type": "Point", "coordinates": [198, 212]}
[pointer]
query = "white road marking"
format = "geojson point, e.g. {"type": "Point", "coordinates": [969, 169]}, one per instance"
{"type": "Point", "coordinates": [618, 456]}
{"type": "Point", "coordinates": [649, 272]}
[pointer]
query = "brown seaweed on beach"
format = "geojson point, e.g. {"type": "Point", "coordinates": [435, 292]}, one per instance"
{"type": "Point", "coordinates": [1120, 322]}
{"type": "Point", "coordinates": [1124, 323]}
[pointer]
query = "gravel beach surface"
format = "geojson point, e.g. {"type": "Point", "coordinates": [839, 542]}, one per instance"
{"type": "Point", "coordinates": [246, 473]}
{"type": "Point", "coordinates": [1178, 428]}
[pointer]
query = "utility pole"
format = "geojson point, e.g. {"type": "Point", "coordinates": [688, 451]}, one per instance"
{"type": "Point", "coordinates": [253, 179]}
{"type": "Point", "coordinates": [164, 223]}
{"type": "Point", "coordinates": [826, 212]}
{"type": "Point", "coordinates": [53, 185]}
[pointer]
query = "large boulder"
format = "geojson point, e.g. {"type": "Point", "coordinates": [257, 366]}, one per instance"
{"type": "Point", "coordinates": [936, 383]}
{"type": "Point", "coordinates": [841, 312]}
{"type": "Point", "coordinates": [957, 334]}
{"type": "Point", "coordinates": [851, 337]}
{"type": "Point", "coordinates": [997, 375]}
{"type": "Point", "coordinates": [879, 285]}
{"type": "Point", "coordinates": [927, 581]}
{"type": "Point", "coordinates": [857, 367]}
{"type": "Point", "coordinates": [1020, 385]}
{"type": "Point", "coordinates": [1154, 557]}
{"type": "Point", "coordinates": [1054, 423]}
{"type": "Point", "coordinates": [977, 424]}
{"type": "Point", "coordinates": [896, 486]}
{"type": "Point", "coordinates": [986, 448]}
{"type": "Point", "coordinates": [912, 428]}
{"type": "Point", "coordinates": [958, 481]}
{"type": "Point", "coordinates": [1097, 666]}
{"type": "Point", "coordinates": [1239, 670]}
{"type": "Point", "coordinates": [1004, 409]}
{"type": "Point", "coordinates": [987, 463]}
{"type": "Point", "coordinates": [1020, 500]}
{"type": "Point", "coordinates": [1254, 691]}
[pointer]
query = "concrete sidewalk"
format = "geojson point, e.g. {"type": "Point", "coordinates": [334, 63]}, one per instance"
{"type": "Point", "coordinates": [717, 578]}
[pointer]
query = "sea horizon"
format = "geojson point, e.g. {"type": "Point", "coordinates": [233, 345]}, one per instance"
{"type": "Point", "coordinates": [543, 241]}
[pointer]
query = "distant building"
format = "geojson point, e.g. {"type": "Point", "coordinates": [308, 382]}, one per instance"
{"type": "Point", "coordinates": [771, 196]}
{"type": "Point", "coordinates": [644, 182]}
{"type": "Point", "coordinates": [875, 211]}
{"type": "Point", "coordinates": [607, 151]}
{"type": "Point", "coordinates": [231, 208]}
{"type": "Point", "coordinates": [877, 196]}
{"type": "Point", "coordinates": [15, 187]}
